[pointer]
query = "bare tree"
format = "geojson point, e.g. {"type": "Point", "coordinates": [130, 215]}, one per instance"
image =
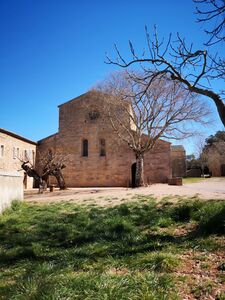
{"type": "Point", "coordinates": [141, 117]}
{"type": "Point", "coordinates": [212, 12]}
{"type": "Point", "coordinates": [31, 172]}
{"type": "Point", "coordinates": [50, 164]}
{"type": "Point", "coordinates": [214, 150]}
{"type": "Point", "coordinates": [214, 157]}
{"type": "Point", "coordinates": [194, 69]}
{"type": "Point", "coordinates": [211, 153]}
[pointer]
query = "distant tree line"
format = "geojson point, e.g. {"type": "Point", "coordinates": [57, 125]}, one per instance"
{"type": "Point", "coordinates": [211, 155]}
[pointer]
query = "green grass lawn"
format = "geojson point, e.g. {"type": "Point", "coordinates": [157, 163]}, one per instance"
{"type": "Point", "coordinates": [140, 250]}
{"type": "Point", "coordinates": [193, 179]}
{"type": "Point", "coordinates": [198, 179]}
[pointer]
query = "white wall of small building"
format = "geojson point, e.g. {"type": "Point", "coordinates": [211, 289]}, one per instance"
{"type": "Point", "coordinates": [11, 188]}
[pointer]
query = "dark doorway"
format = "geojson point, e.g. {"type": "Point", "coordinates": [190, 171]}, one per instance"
{"type": "Point", "coordinates": [223, 170]}
{"type": "Point", "coordinates": [133, 175]}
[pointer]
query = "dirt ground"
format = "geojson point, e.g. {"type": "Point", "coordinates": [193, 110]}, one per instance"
{"type": "Point", "coordinates": [212, 188]}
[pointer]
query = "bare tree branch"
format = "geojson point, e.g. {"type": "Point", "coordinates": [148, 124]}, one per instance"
{"type": "Point", "coordinates": [212, 10]}
{"type": "Point", "coordinates": [177, 60]}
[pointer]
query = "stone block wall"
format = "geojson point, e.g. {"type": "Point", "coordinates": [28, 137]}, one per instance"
{"type": "Point", "coordinates": [157, 163]}
{"type": "Point", "coordinates": [82, 119]}
{"type": "Point", "coordinates": [178, 161]}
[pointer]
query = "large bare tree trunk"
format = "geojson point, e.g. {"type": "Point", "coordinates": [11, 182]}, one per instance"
{"type": "Point", "coordinates": [33, 173]}
{"type": "Point", "coordinates": [61, 182]}
{"type": "Point", "coordinates": [42, 186]}
{"type": "Point", "coordinates": [139, 180]}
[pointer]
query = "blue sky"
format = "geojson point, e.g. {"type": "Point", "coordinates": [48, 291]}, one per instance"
{"type": "Point", "coordinates": [52, 51]}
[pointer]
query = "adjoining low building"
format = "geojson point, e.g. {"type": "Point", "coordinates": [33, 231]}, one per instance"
{"type": "Point", "coordinates": [13, 147]}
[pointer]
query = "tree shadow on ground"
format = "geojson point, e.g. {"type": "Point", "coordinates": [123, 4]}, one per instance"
{"type": "Point", "coordinates": [124, 230]}
{"type": "Point", "coordinates": [39, 242]}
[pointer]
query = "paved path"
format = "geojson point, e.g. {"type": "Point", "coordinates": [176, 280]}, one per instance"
{"type": "Point", "coordinates": [212, 188]}
{"type": "Point", "coordinates": [212, 185]}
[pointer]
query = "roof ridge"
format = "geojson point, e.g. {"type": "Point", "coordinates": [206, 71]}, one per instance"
{"type": "Point", "coordinates": [17, 136]}
{"type": "Point", "coordinates": [80, 96]}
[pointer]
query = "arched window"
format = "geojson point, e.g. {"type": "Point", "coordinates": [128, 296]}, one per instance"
{"type": "Point", "coordinates": [102, 147]}
{"type": "Point", "coordinates": [85, 148]}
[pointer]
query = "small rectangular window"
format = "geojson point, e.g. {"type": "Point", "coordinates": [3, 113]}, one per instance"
{"type": "Point", "coordinates": [85, 148]}
{"type": "Point", "coordinates": [18, 152]}
{"type": "Point", "coordinates": [33, 157]}
{"type": "Point", "coordinates": [102, 147]}
{"type": "Point", "coordinates": [14, 153]}
{"type": "Point", "coordinates": [26, 155]}
{"type": "Point", "coordinates": [2, 151]}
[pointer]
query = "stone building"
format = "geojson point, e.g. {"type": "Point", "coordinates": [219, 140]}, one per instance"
{"type": "Point", "coordinates": [12, 147]}
{"type": "Point", "coordinates": [94, 156]}
{"type": "Point", "coordinates": [178, 161]}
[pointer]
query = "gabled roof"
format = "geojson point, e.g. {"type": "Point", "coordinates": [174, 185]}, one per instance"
{"type": "Point", "coordinates": [80, 97]}
{"type": "Point", "coordinates": [19, 137]}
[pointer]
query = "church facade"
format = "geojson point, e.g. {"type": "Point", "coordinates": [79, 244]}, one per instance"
{"type": "Point", "coordinates": [93, 154]}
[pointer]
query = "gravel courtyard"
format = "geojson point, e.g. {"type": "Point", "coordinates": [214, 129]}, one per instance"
{"type": "Point", "coordinates": [212, 188]}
